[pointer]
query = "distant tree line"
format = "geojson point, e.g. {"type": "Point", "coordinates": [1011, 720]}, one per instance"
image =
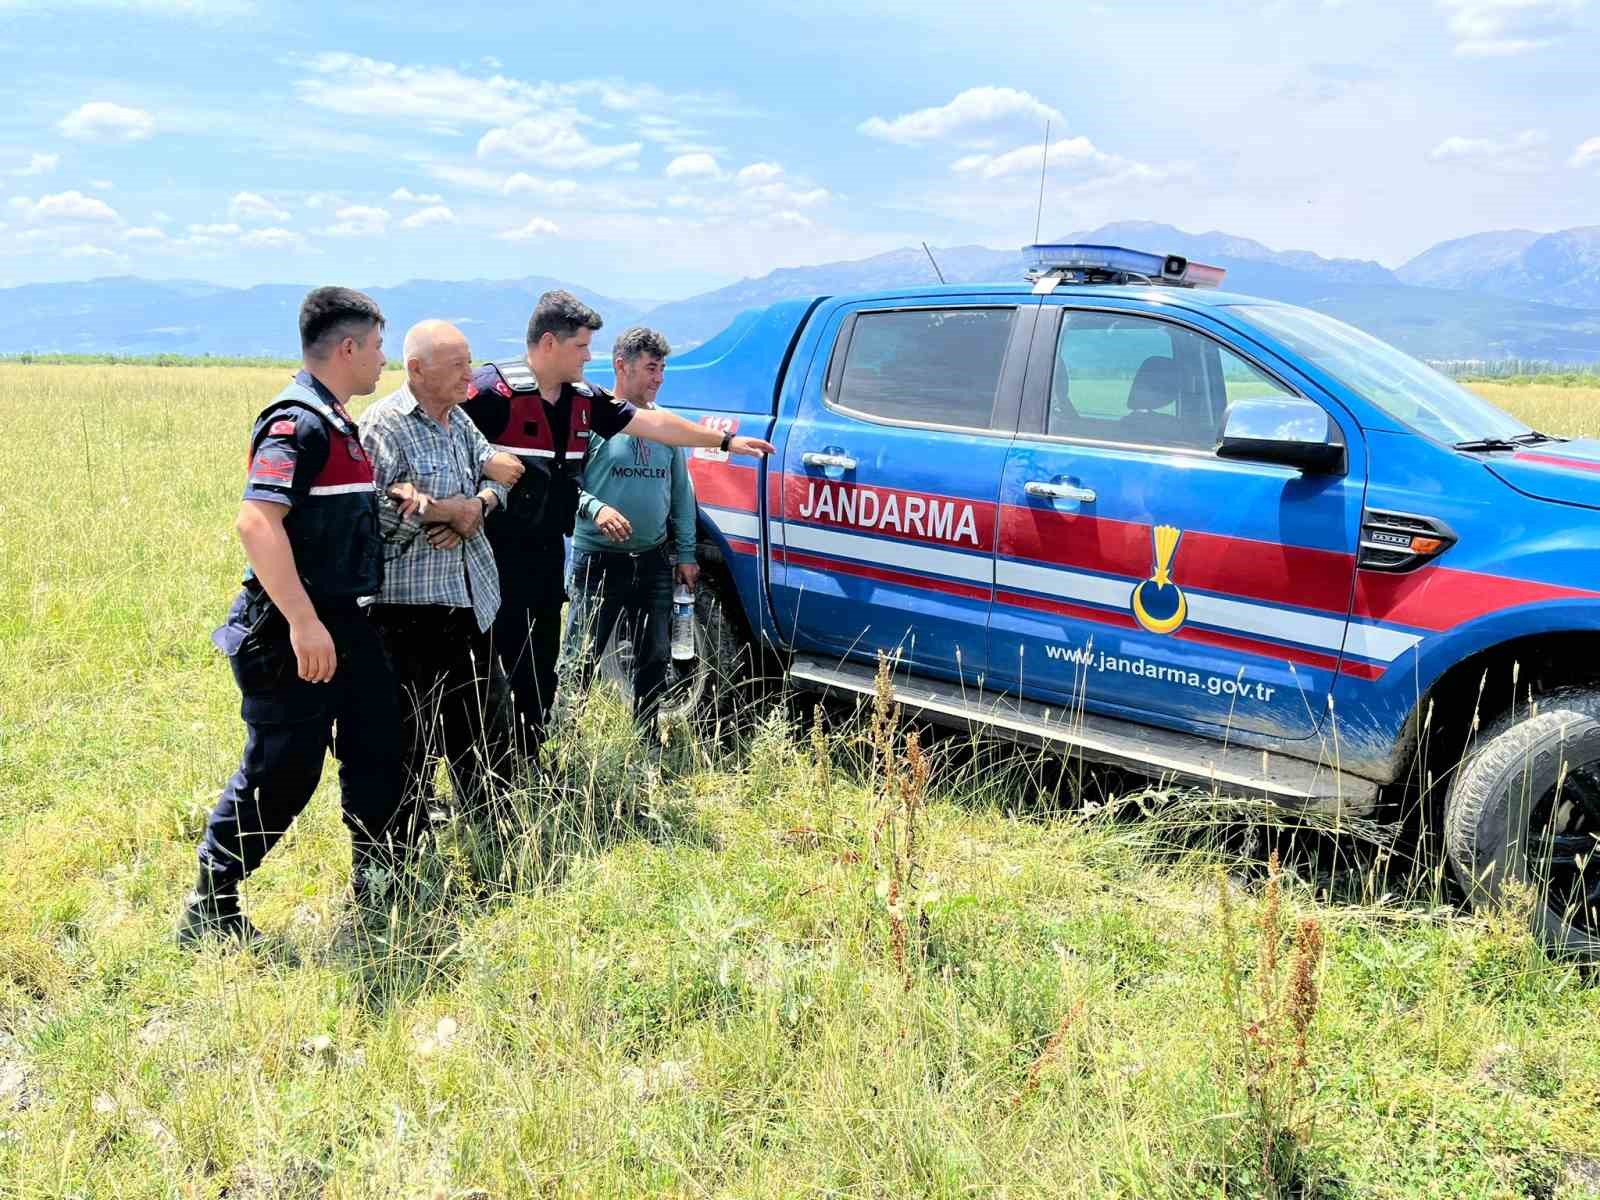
{"type": "Point", "coordinates": [149, 360]}
{"type": "Point", "coordinates": [1520, 370]}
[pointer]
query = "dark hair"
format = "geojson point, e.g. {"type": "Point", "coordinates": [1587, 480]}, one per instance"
{"type": "Point", "coordinates": [330, 314]}
{"type": "Point", "coordinates": [562, 314]}
{"type": "Point", "coordinates": [631, 343]}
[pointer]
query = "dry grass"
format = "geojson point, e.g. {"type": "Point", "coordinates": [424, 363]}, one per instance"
{"type": "Point", "coordinates": [1567, 411]}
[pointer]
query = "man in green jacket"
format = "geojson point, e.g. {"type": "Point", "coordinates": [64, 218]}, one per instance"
{"type": "Point", "coordinates": [634, 536]}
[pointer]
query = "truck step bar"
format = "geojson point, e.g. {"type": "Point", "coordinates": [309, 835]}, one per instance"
{"type": "Point", "coordinates": [1233, 770]}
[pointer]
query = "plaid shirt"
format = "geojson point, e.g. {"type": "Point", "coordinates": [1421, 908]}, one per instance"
{"type": "Point", "coordinates": [406, 445]}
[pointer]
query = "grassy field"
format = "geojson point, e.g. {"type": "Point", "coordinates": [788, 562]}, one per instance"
{"type": "Point", "coordinates": [759, 970]}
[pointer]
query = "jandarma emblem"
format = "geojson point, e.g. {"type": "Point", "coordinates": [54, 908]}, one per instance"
{"type": "Point", "coordinates": [1158, 603]}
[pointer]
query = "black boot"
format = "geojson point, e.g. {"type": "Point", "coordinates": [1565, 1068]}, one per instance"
{"type": "Point", "coordinates": [212, 910]}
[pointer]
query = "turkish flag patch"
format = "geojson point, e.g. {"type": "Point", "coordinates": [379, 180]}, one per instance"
{"type": "Point", "coordinates": [281, 429]}
{"type": "Point", "coordinates": [472, 390]}
{"type": "Point", "coordinates": [503, 388]}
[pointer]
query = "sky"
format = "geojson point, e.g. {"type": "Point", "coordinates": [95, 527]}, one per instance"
{"type": "Point", "coordinates": [651, 151]}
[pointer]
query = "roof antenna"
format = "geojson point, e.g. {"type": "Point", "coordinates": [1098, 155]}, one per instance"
{"type": "Point", "coordinates": [1043, 163]}
{"type": "Point", "coordinates": [936, 270]}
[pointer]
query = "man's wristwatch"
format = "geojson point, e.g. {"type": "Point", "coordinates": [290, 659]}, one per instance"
{"type": "Point", "coordinates": [727, 440]}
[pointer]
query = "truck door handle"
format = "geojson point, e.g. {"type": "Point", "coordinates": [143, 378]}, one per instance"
{"type": "Point", "coordinates": [843, 462]}
{"type": "Point", "coordinates": [1059, 491]}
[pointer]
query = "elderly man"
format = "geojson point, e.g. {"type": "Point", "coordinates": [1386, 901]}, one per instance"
{"type": "Point", "coordinates": [539, 409]}
{"type": "Point", "coordinates": [309, 669]}
{"type": "Point", "coordinates": [623, 566]}
{"type": "Point", "coordinates": [440, 591]}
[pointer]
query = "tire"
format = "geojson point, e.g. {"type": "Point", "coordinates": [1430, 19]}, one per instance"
{"type": "Point", "coordinates": [708, 686]}
{"type": "Point", "coordinates": [1525, 806]}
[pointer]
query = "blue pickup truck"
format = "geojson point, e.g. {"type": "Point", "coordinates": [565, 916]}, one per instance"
{"type": "Point", "coordinates": [1201, 536]}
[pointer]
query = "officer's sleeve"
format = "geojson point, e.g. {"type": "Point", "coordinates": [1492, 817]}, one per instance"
{"type": "Point", "coordinates": [608, 415]}
{"type": "Point", "coordinates": [288, 450]}
{"type": "Point", "coordinates": [482, 452]}
{"type": "Point", "coordinates": [683, 505]}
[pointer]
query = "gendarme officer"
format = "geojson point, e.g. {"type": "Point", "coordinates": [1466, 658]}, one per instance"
{"type": "Point", "coordinates": [540, 409]}
{"type": "Point", "coordinates": [308, 664]}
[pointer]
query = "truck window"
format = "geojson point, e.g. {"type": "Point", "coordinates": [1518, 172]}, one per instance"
{"type": "Point", "coordinates": [928, 366]}
{"type": "Point", "coordinates": [1140, 381]}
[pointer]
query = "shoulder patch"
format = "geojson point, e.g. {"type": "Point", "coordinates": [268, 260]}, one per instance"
{"type": "Point", "coordinates": [517, 375]}
{"type": "Point", "coordinates": [280, 429]}
{"type": "Point", "coordinates": [584, 388]}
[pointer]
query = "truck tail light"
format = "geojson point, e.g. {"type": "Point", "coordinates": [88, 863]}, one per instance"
{"type": "Point", "coordinates": [1394, 541]}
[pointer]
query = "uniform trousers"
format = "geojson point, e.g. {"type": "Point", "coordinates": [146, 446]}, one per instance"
{"type": "Point", "coordinates": [527, 629]}
{"type": "Point", "coordinates": [289, 727]}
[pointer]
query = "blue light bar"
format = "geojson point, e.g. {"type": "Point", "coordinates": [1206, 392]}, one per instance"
{"type": "Point", "coordinates": [1089, 260]}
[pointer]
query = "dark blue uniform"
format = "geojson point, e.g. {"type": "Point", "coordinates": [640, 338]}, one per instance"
{"type": "Point", "coordinates": [551, 437]}
{"type": "Point", "coordinates": [305, 455]}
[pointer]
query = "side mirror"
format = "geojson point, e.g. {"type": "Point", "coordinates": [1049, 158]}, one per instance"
{"type": "Point", "coordinates": [1284, 430]}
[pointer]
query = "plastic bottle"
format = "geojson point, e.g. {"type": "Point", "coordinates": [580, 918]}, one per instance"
{"type": "Point", "coordinates": [683, 622]}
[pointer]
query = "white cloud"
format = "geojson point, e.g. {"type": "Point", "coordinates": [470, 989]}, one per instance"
{"type": "Point", "coordinates": [438, 214]}
{"type": "Point", "coordinates": [38, 164]}
{"type": "Point", "coordinates": [1499, 28]}
{"type": "Point", "coordinates": [366, 87]}
{"type": "Point", "coordinates": [694, 166]}
{"type": "Point", "coordinates": [1521, 154]}
{"type": "Point", "coordinates": [102, 121]}
{"type": "Point", "coordinates": [553, 141]}
{"type": "Point", "coordinates": [403, 195]}
{"type": "Point", "coordinates": [973, 117]}
{"type": "Point", "coordinates": [524, 184]}
{"type": "Point", "coordinates": [535, 228]}
{"type": "Point", "coordinates": [143, 233]}
{"type": "Point", "coordinates": [93, 253]}
{"type": "Point", "coordinates": [273, 238]}
{"type": "Point", "coordinates": [1073, 155]}
{"type": "Point", "coordinates": [100, 185]}
{"type": "Point", "coordinates": [214, 231]}
{"type": "Point", "coordinates": [71, 206]}
{"type": "Point", "coordinates": [781, 195]}
{"type": "Point", "coordinates": [490, 61]}
{"type": "Point", "coordinates": [248, 206]}
{"type": "Point", "coordinates": [359, 220]}
{"type": "Point", "coordinates": [758, 172]}
{"type": "Point", "coordinates": [672, 135]}
{"type": "Point", "coordinates": [1587, 154]}
{"type": "Point", "coordinates": [479, 179]}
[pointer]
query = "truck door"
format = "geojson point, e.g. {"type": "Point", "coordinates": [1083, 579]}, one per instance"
{"type": "Point", "coordinates": [890, 476]}
{"type": "Point", "coordinates": [1137, 571]}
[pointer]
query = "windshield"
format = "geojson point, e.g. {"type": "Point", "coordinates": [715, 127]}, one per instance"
{"type": "Point", "coordinates": [1409, 391]}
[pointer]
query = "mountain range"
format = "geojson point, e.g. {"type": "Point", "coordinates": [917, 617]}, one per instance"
{"type": "Point", "coordinates": [1505, 294]}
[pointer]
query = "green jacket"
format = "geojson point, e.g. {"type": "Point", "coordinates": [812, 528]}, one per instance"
{"type": "Point", "coordinates": [646, 482]}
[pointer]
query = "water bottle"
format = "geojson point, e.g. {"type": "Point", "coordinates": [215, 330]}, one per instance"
{"type": "Point", "coordinates": [683, 622]}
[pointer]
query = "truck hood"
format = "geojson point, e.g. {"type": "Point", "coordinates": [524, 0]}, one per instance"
{"type": "Point", "coordinates": [1568, 472]}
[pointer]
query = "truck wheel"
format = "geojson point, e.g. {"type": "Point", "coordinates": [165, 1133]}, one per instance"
{"type": "Point", "coordinates": [1525, 806]}
{"type": "Point", "coordinates": [708, 684]}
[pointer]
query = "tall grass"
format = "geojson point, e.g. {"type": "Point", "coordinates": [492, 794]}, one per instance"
{"type": "Point", "coordinates": [675, 970]}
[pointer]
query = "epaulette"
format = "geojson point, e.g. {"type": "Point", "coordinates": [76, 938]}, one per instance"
{"type": "Point", "coordinates": [517, 374]}
{"type": "Point", "coordinates": [304, 397]}
{"type": "Point", "coordinates": [584, 388]}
